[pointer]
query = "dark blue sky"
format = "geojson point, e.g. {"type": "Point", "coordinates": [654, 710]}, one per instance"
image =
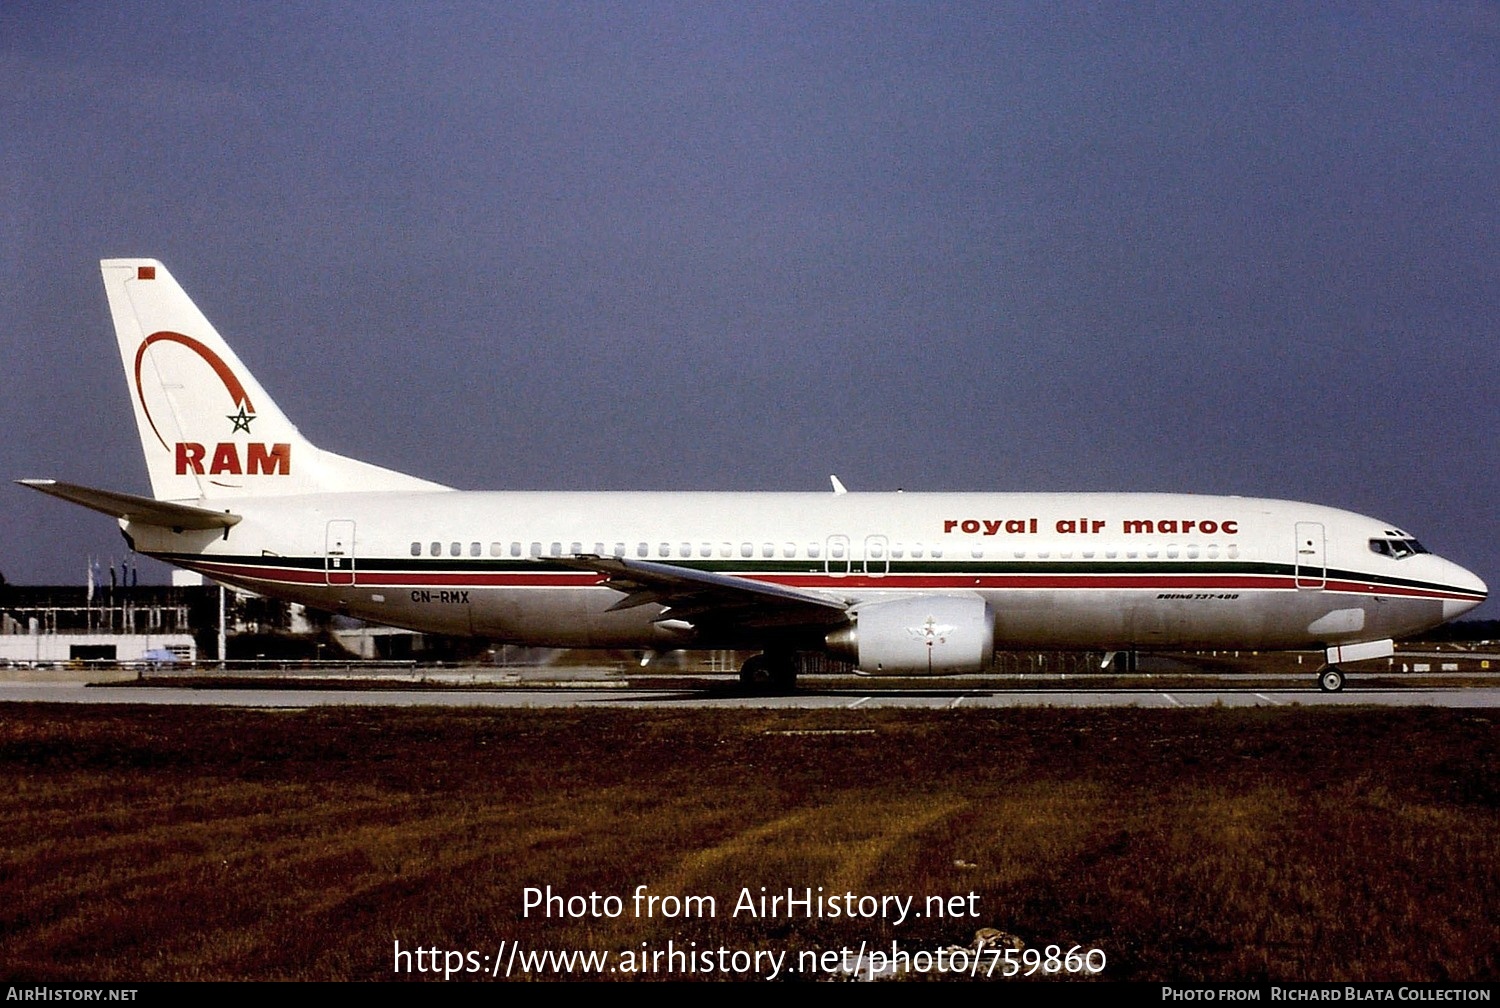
{"type": "Point", "coordinates": [1196, 248]}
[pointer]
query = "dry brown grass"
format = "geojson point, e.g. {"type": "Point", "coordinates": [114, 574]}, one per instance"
{"type": "Point", "coordinates": [157, 844]}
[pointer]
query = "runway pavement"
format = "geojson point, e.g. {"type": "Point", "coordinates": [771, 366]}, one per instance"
{"type": "Point", "coordinates": [809, 698]}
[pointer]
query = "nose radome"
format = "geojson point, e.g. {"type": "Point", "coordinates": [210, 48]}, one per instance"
{"type": "Point", "coordinates": [1465, 581]}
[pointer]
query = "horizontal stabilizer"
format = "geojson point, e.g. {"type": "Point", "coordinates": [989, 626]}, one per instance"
{"type": "Point", "coordinates": [131, 508]}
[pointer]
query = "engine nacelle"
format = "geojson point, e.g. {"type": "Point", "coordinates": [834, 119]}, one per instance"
{"type": "Point", "coordinates": [922, 635]}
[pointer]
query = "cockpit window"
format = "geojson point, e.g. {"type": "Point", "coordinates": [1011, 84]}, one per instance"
{"type": "Point", "coordinates": [1398, 547]}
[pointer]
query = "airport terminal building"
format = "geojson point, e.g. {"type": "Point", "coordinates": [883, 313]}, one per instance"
{"type": "Point", "coordinates": [136, 623]}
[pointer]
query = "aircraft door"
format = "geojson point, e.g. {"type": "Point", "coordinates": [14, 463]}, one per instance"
{"type": "Point", "coordinates": [338, 553]}
{"type": "Point", "coordinates": [1312, 570]}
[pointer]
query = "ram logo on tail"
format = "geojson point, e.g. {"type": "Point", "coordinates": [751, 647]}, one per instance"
{"type": "Point", "coordinates": [226, 458]}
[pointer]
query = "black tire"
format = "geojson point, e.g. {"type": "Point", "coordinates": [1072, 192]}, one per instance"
{"type": "Point", "coordinates": [1331, 679]}
{"type": "Point", "coordinates": [770, 674]}
{"type": "Point", "coordinates": [755, 674]}
{"type": "Point", "coordinates": [783, 673]}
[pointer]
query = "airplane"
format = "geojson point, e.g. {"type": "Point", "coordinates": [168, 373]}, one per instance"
{"type": "Point", "coordinates": [894, 583]}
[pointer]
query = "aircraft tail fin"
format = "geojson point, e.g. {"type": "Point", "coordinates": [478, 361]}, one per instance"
{"type": "Point", "coordinates": [209, 430]}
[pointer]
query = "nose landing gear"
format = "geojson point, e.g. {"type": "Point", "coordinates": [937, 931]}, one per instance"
{"type": "Point", "coordinates": [1331, 679]}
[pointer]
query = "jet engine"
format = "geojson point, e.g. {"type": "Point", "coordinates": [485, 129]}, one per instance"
{"type": "Point", "coordinates": [920, 635]}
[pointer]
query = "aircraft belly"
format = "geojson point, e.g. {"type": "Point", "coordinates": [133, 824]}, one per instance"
{"type": "Point", "coordinates": [1397, 617]}
{"type": "Point", "coordinates": [1165, 620]}
{"type": "Point", "coordinates": [567, 617]}
{"type": "Point", "coordinates": [538, 617]}
{"type": "Point", "coordinates": [1103, 618]}
{"type": "Point", "coordinates": [1121, 618]}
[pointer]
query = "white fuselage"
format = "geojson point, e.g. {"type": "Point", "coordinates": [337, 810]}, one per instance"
{"type": "Point", "coordinates": [1067, 571]}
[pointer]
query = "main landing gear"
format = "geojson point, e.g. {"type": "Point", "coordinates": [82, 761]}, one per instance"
{"type": "Point", "coordinates": [1331, 679]}
{"type": "Point", "coordinates": [770, 673]}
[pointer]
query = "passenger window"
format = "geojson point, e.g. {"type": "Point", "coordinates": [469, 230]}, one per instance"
{"type": "Point", "coordinates": [642, 549]}
{"type": "Point", "coordinates": [416, 549]}
{"type": "Point", "coordinates": [747, 550]}
{"type": "Point", "coordinates": [455, 549]}
{"type": "Point", "coordinates": [768, 550]}
{"type": "Point", "coordinates": [536, 549]}
{"type": "Point", "coordinates": [475, 549]}
{"type": "Point", "coordinates": [814, 550]}
{"type": "Point", "coordinates": [575, 547]}
{"type": "Point", "coordinates": [515, 549]}
{"type": "Point", "coordinates": [789, 549]}
{"type": "Point", "coordinates": [435, 549]}
{"type": "Point", "coordinates": [496, 549]}
{"type": "Point", "coordinates": [705, 550]}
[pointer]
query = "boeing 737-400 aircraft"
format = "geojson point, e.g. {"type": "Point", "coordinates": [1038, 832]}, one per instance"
{"type": "Point", "coordinates": [893, 583]}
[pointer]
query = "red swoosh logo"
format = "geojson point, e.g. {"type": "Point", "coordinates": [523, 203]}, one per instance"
{"type": "Point", "coordinates": [213, 360]}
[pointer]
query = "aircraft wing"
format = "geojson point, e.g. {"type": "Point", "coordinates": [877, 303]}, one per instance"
{"type": "Point", "coordinates": [129, 507]}
{"type": "Point", "coordinates": [703, 597]}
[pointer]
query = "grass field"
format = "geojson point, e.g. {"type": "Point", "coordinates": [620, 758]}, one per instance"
{"type": "Point", "coordinates": [1218, 845]}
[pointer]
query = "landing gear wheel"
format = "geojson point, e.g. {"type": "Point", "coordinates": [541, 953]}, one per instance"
{"type": "Point", "coordinates": [770, 673]}
{"type": "Point", "coordinates": [1331, 679]}
{"type": "Point", "coordinates": [784, 673]}
{"type": "Point", "coordinates": [755, 674]}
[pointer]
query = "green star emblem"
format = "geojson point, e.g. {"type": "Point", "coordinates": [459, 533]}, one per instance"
{"type": "Point", "coordinates": [241, 420]}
